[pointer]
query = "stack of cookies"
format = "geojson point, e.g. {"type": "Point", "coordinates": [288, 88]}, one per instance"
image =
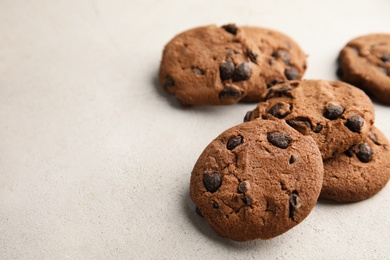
{"type": "Point", "coordinates": [306, 139]}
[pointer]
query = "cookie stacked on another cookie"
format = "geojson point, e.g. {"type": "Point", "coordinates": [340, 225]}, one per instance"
{"type": "Point", "coordinates": [224, 65]}
{"type": "Point", "coordinates": [359, 173]}
{"type": "Point", "coordinates": [340, 119]}
{"type": "Point", "coordinates": [335, 114]}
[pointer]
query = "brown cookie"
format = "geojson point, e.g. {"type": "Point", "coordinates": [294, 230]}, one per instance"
{"type": "Point", "coordinates": [257, 180]}
{"type": "Point", "coordinates": [360, 172]}
{"type": "Point", "coordinates": [336, 114]}
{"type": "Point", "coordinates": [365, 63]}
{"type": "Point", "coordinates": [223, 65]}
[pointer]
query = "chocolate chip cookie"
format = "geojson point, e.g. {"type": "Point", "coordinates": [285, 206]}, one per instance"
{"type": "Point", "coordinates": [257, 180]}
{"type": "Point", "coordinates": [335, 114]}
{"type": "Point", "coordinates": [360, 172]}
{"type": "Point", "coordinates": [224, 65]}
{"type": "Point", "coordinates": [365, 62]}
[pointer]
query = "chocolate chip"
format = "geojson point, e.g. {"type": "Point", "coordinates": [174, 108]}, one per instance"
{"type": "Point", "coordinates": [198, 71]}
{"type": "Point", "coordinates": [274, 82]}
{"type": "Point", "coordinates": [374, 138]}
{"type": "Point", "coordinates": [301, 124]}
{"type": "Point", "coordinates": [279, 92]}
{"type": "Point", "coordinates": [234, 142]}
{"type": "Point", "coordinates": [230, 28]}
{"type": "Point", "coordinates": [242, 72]}
{"type": "Point", "coordinates": [198, 212]}
{"type": "Point", "coordinates": [212, 181]}
{"type": "Point", "coordinates": [350, 151]}
{"type": "Point", "coordinates": [333, 110]}
{"type": "Point", "coordinates": [252, 56]}
{"type": "Point", "coordinates": [294, 204]}
{"type": "Point", "coordinates": [279, 110]}
{"type": "Point", "coordinates": [365, 152]}
{"type": "Point", "coordinates": [292, 73]}
{"type": "Point", "coordinates": [230, 92]}
{"type": "Point", "coordinates": [318, 128]}
{"type": "Point", "coordinates": [247, 200]}
{"type": "Point", "coordinates": [247, 116]}
{"type": "Point", "coordinates": [282, 55]}
{"type": "Point", "coordinates": [279, 139]}
{"type": "Point", "coordinates": [226, 69]}
{"type": "Point", "coordinates": [215, 205]}
{"type": "Point", "coordinates": [386, 58]}
{"type": "Point", "coordinates": [383, 70]}
{"type": "Point", "coordinates": [355, 123]}
{"type": "Point", "coordinates": [244, 186]}
{"type": "Point", "coordinates": [168, 83]}
{"type": "Point", "coordinates": [293, 159]}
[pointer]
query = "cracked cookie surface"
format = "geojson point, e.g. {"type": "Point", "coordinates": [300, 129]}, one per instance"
{"type": "Point", "coordinates": [257, 180]}
{"type": "Point", "coordinates": [335, 114]}
{"type": "Point", "coordinates": [224, 65]}
{"type": "Point", "coordinates": [360, 172]}
{"type": "Point", "coordinates": [365, 63]}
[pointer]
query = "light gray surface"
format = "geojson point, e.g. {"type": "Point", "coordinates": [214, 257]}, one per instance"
{"type": "Point", "coordinates": [95, 159]}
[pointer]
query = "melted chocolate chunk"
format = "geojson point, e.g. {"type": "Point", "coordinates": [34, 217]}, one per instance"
{"type": "Point", "coordinates": [198, 212]}
{"type": "Point", "coordinates": [279, 110]}
{"type": "Point", "coordinates": [215, 205]}
{"type": "Point", "coordinates": [274, 82]}
{"type": "Point", "coordinates": [244, 186]}
{"type": "Point", "coordinates": [230, 92]}
{"type": "Point", "coordinates": [355, 123]}
{"type": "Point", "coordinates": [279, 139]}
{"type": "Point", "coordinates": [252, 56]}
{"type": "Point", "coordinates": [383, 70]}
{"type": "Point", "coordinates": [333, 110]}
{"type": "Point", "coordinates": [292, 73]}
{"type": "Point", "coordinates": [365, 152]}
{"type": "Point", "coordinates": [301, 124]}
{"type": "Point", "coordinates": [386, 58]}
{"type": "Point", "coordinates": [282, 55]}
{"type": "Point", "coordinates": [295, 203]}
{"type": "Point", "coordinates": [242, 72]}
{"type": "Point", "coordinates": [212, 181]}
{"type": "Point", "coordinates": [318, 128]}
{"type": "Point", "coordinates": [247, 200]}
{"type": "Point", "coordinates": [226, 70]}
{"type": "Point", "coordinates": [169, 83]}
{"type": "Point", "coordinates": [230, 28]}
{"type": "Point", "coordinates": [198, 71]}
{"type": "Point", "coordinates": [247, 116]}
{"type": "Point", "coordinates": [234, 142]}
{"type": "Point", "coordinates": [293, 159]}
{"type": "Point", "coordinates": [279, 92]}
{"type": "Point", "coordinates": [350, 151]}
{"type": "Point", "coordinates": [374, 138]}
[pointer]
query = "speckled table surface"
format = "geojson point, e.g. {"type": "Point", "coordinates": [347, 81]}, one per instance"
{"type": "Point", "coordinates": [95, 159]}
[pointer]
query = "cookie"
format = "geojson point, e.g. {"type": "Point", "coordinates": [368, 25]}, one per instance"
{"type": "Point", "coordinates": [365, 62]}
{"type": "Point", "coordinates": [360, 172]}
{"type": "Point", "coordinates": [223, 65]}
{"type": "Point", "coordinates": [335, 114]}
{"type": "Point", "coordinates": [257, 180]}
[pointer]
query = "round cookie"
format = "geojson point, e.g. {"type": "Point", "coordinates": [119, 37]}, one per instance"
{"type": "Point", "coordinates": [360, 172]}
{"type": "Point", "coordinates": [257, 180]}
{"type": "Point", "coordinates": [365, 63]}
{"type": "Point", "coordinates": [335, 114]}
{"type": "Point", "coordinates": [223, 65]}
